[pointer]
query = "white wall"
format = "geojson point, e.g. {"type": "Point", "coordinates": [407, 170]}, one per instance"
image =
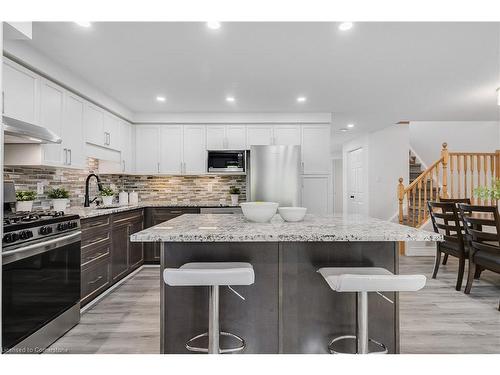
{"type": "Point", "coordinates": [426, 137]}
{"type": "Point", "coordinates": [18, 49]}
{"type": "Point", "coordinates": [385, 160]}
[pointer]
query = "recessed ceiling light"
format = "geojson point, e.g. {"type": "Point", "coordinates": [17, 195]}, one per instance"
{"type": "Point", "coordinates": [343, 130]}
{"type": "Point", "coordinates": [350, 126]}
{"type": "Point", "coordinates": [213, 25]}
{"type": "Point", "coordinates": [230, 99]}
{"type": "Point", "coordinates": [301, 99]}
{"type": "Point", "coordinates": [344, 26]}
{"type": "Point", "coordinates": [83, 23]}
{"type": "Point", "coordinates": [160, 98]}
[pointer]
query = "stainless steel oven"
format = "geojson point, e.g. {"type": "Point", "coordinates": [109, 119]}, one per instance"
{"type": "Point", "coordinates": [41, 291]}
{"type": "Point", "coordinates": [227, 161]}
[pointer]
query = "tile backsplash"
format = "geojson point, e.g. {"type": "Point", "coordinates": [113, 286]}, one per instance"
{"type": "Point", "coordinates": [150, 188]}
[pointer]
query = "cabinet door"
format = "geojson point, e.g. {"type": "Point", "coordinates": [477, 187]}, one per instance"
{"type": "Point", "coordinates": [315, 194]}
{"type": "Point", "coordinates": [147, 146]}
{"type": "Point", "coordinates": [316, 149]}
{"type": "Point", "coordinates": [170, 149]}
{"type": "Point", "coordinates": [119, 251]}
{"type": "Point", "coordinates": [287, 135]}
{"type": "Point", "coordinates": [236, 138]}
{"type": "Point", "coordinates": [94, 125]}
{"type": "Point", "coordinates": [194, 151]}
{"type": "Point", "coordinates": [72, 132]}
{"type": "Point", "coordinates": [112, 126]}
{"type": "Point", "coordinates": [136, 252]}
{"type": "Point", "coordinates": [126, 148]}
{"type": "Point", "coordinates": [259, 135]}
{"type": "Point", "coordinates": [51, 117]}
{"type": "Point", "coordinates": [216, 137]}
{"type": "Point", "coordinates": [20, 92]}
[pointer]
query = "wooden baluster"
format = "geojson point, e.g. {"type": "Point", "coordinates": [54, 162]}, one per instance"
{"type": "Point", "coordinates": [431, 171]}
{"type": "Point", "coordinates": [492, 173]}
{"type": "Point", "coordinates": [446, 155]}
{"type": "Point", "coordinates": [408, 208]}
{"type": "Point", "coordinates": [413, 206]}
{"type": "Point", "coordinates": [478, 161]}
{"type": "Point", "coordinates": [401, 194]}
{"type": "Point", "coordinates": [472, 179]}
{"type": "Point", "coordinates": [425, 196]}
{"type": "Point", "coordinates": [419, 217]}
{"type": "Point", "coordinates": [452, 176]}
{"type": "Point", "coordinates": [497, 164]}
{"type": "Point", "coordinates": [465, 177]}
{"type": "Point", "coordinates": [459, 176]}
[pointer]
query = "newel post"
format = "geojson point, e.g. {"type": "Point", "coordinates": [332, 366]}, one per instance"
{"type": "Point", "coordinates": [445, 154]}
{"type": "Point", "coordinates": [401, 193]}
{"type": "Point", "coordinates": [497, 164]}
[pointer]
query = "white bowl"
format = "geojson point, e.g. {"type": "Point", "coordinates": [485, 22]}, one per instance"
{"type": "Point", "coordinates": [292, 213]}
{"type": "Point", "coordinates": [259, 212]}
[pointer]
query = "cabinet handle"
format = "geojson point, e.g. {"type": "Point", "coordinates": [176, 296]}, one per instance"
{"type": "Point", "coordinates": [96, 255]}
{"type": "Point", "coordinates": [176, 212]}
{"type": "Point", "coordinates": [109, 139]}
{"type": "Point", "coordinates": [303, 168]}
{"type": "Point", "coordinates": [123, 165]}
{"type": "Point", "coordinates": [65, 150]}
{"type": "Point", "coordinates": [70, 157]}
{"type": "Point", "coordinates": [95, 280]}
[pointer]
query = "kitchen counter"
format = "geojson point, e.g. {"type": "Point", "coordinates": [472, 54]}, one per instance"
{"type": "Point", "coordinates": [290, 308]}
{"type": "Point", "coordinates": [88, 212]}
{"type": "Point", "coordinates": [235, 228]}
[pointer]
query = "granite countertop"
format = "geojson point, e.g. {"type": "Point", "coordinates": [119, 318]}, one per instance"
{"type": "Point", "coordinates": [235, 228]}
{"type": "Point", "coordinates": [88, 212]}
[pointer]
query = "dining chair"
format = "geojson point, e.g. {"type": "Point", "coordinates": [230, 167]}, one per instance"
{"type": "Point", "coordinates": [446, 221]}
{"type": "Point", "coordinates": [482, 225]}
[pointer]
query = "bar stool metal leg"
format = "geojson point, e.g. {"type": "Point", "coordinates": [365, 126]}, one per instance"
{"type": "Point", "coordinates": [213, 320]}
{"type": "Point", "coordinates": [362, 326]}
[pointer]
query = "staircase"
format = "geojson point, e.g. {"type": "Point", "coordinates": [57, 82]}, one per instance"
{"type": "Point", "coordinates": [454, 175]}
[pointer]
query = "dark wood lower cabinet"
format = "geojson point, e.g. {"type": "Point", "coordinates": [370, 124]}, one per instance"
{"type": "Point", "coordinates": [107, 253]}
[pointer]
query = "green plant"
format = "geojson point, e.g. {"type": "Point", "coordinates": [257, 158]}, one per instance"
{"type": "Point", "coordinates": [106, 192]}
{"type": "Point", "coordinates": [490, 193]}
{"type": "Point", "coordinates": [58, 193]}
{"type": "Point", "coordinates": [25, 195]}
{"type": "Point", "coordinates": [234, 190]}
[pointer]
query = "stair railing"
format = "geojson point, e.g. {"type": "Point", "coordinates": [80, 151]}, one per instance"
{"type": "Point", "coordinates": [453, 175]}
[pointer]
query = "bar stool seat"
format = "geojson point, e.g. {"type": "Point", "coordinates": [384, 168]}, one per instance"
{"type": "Point", "coordinates": [212, 275]}
{"type": "Point", "coordinates": [363, 280]}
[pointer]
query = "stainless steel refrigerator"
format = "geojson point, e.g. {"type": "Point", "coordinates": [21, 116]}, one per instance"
{"type": "Point", "coordinates": [275, 175]}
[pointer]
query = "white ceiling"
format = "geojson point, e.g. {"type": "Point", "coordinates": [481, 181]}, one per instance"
{"type": "Point", "coordinates": [372, 75]}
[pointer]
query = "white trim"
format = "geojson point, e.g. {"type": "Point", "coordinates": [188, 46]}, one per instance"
{"type": "Point", "coordinates": [109, 290]}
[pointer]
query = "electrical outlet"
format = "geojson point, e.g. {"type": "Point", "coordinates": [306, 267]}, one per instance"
{"type": "Point", "coordinates": [39, 188]}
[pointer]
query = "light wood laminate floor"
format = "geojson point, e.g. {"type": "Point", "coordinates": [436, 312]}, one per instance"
{"type": "Point", "coordinates": [437, 319]}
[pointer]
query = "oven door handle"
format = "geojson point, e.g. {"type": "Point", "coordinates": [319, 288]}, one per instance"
{"type": "Point", "coordinates": [40, 247]}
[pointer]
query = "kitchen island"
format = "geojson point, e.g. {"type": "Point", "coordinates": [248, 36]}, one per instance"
{"type": "Point", "coordinates": [290, 308]}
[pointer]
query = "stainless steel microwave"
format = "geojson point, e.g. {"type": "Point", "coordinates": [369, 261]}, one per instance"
{"type": "Point", "coordinates": [227, 161]}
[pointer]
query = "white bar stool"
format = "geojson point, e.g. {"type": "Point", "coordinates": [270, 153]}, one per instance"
{"type": "Point", "coordinates": [213, 275]}
{"type": "Point", "coordinates": [363, 280]}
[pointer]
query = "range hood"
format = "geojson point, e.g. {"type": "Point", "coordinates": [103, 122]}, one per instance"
{"type": "Point", "coordinates": [17, 131]}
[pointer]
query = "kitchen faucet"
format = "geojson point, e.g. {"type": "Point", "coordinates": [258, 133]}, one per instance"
{"type": "Point", "coordinates": [87, 181]}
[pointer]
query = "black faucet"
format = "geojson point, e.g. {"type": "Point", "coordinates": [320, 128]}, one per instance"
{"type": "Point", "coordinates": [99, 185]}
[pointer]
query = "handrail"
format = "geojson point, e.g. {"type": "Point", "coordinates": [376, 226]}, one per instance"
{"type": "Point", "coordinates": [453, 175]}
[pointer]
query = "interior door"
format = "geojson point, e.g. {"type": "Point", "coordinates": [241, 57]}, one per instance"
{"type": "Point", "coordinates": [195, 151]}
{"type": "Point", "coordinates": [355, 182]}
{"type": "Point", "coordinates": [147, 148]}
{"type": "Point", "coordinates": [171, 149]}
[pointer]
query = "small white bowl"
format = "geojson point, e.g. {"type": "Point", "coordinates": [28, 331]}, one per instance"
{"type": "Point", "coordinates": [292, 213]}
{"type": "Point", "coordinates": [259, 212]}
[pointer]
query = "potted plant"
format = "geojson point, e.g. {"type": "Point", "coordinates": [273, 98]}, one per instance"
{"type": "Point", "coordinates": [59, 198]}
{"type": "Point", "coordinates": [489, 192]}
{"type": "Point", "coordinates": [107, 195]}
{"type": "Point", "coordinates": [235, 192]}
{"type": "Point", "coordinates": [25, 200]}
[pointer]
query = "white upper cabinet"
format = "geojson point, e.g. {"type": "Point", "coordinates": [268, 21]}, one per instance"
{"type": "Point", "coordinates": [20, 92]}
{"type": "Point", "coordinates": [194, 152]}
{"type": "Point", "coordinates": [73, 151]}
{"type": "Point", "coordinates": [216, 137]}
{"type": "Point", "coordinates": [147, 148]}
{"type": "Point", "coordinates": [316, 149]}
{"type": "Point", "coordinates": [112, 131]}
{"type": "Point", "coordinates": [287, 135]}
{"type": "Point", "coordinates": [51, 117]}
{"type": "Point", "coordinates": [171, 141]}
{"type": "Point", "coordinates": [94, 125]}
{"type": "Point", "coordinates": [259, 135]}
{"type": "Point", "coordinates": [236, 137]}
{"type": "Point", "coordinates": [127, 147]}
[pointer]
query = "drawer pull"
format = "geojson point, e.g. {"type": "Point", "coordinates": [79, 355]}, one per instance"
{"type": "Point", "coordinates": [176, 212]}
{"type": "Point", "coordinates": [95, 280]}
{"type": "Point", "coordinates": [97, 255]}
